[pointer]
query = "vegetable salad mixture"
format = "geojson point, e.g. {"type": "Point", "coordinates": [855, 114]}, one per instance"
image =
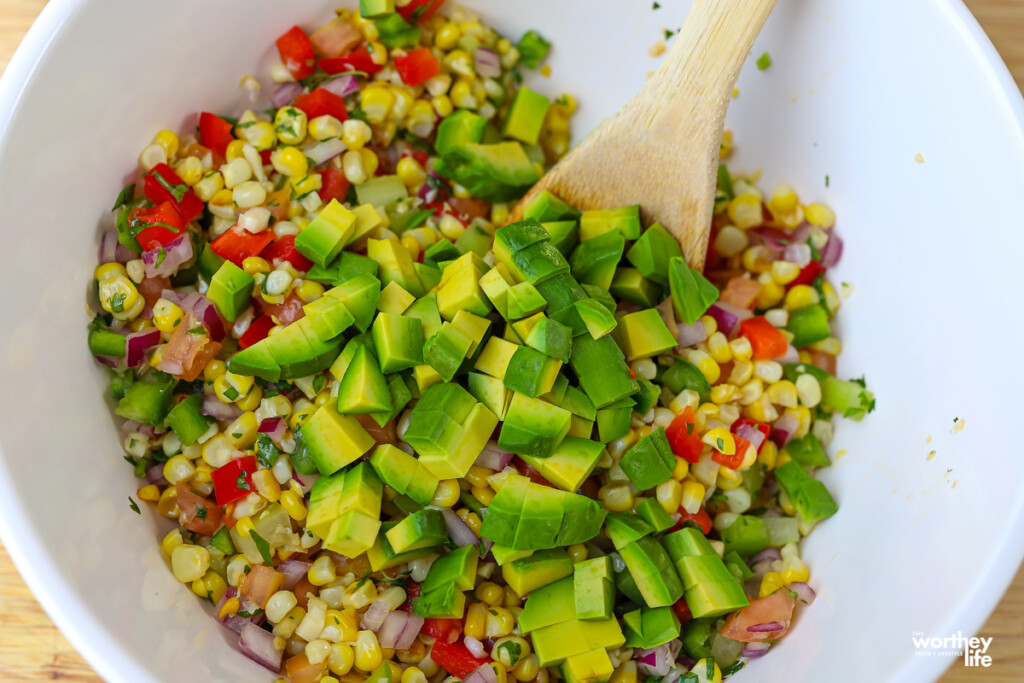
{"type": "Point", "coordinates": [403, 440]}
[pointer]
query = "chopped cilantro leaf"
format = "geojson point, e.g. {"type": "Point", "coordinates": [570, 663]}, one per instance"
{"type": "Point", "coordinates": [266, 452]}
{"type": "Point", "coordinates": [764, 61]}
{"type": "Point", "coordinates": [117, 303]}
{"type": "Point", "coordinates": [262, 546]}
{"type": "Point", "coordinates": [200, 511]}
{"type": "Point", "coordinates": [241, 484]}
{"type": "Point", "coordinates": [160, 256]}
{"type": "Point", "coordinates": [198, 329]}
{"type": "Point", "coordinates": [134, 506]}
{"type": "Point", "coordinates": [124, 197]}
{"type": "Point", "coordinates": [657, 5]}
{"type": "Point", "coordinates": [177, 191]}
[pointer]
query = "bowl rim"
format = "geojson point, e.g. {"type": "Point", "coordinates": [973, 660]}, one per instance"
{"type": "Point", "coordinates": [105, 653]}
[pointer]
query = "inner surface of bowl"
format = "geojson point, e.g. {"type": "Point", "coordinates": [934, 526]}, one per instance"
{"type": "Point", "coordinates": [929, 529]}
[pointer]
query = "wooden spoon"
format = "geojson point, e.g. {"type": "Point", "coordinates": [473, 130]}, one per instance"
{"type": "Point", "coordinates": [661, 150]}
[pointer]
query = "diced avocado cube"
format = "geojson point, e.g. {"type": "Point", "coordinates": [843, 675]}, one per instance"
{"type": "Point", "coordinates": [558, 390]}
{"type": "Point", "coordinates": [433, 433]}
{"type": "Point", "coordinates": [352, 534]}
{"type": "Point", "coordinates": [491, 392]}
{"type": "Point", "coordinates": [473, 326]}
{"type": "Point", "coordinates": [715, 599]}
{"type": "Point", "coordinates": [187, 420]}
{"type": "Point", "coordinates": [382, 556]}
{"type": "Point", "coordinates": [625, 584]}
{"type": "Point", "coordinates": [330, 317]}
{"type": "Point", "coordinates": [499, 525]}
{"type": "Point", "coordinates": [495, 284]}
{"type": "Point", "coordinates": [594, 261]}
{"type": "Point", "coordinates": [553, 644]}
{"type": "Point", "coordinates": [533, 427]}
{"type": "Point", "coordinates": [652, 251]}
{"type": "Point", "coordinates": [594, 666]}
{"type": "Point", "coordinates": [361, 490]}
{"type": "Point", "coordinates": [360, 295]}
{"type": "Point", "coordinates": [344, 359]}
{"type": "Point", "coordinates": [578, 403]}
{"type": "Point", "coordinates": [446, 602]}
{"type": "Point", "coordinates": [685, 375]}
{"type": "Point", "coordinates": [404, 473]}
{"type": "Point", "coordinates": [460, 290]}
{"type": "Point", "coordinates": [582, 518]}
{"type": "Point", "coordinates": [322, 240]}
{"type": "Point", "coordinates": [430, 277]}
{"type": "Point", "coordinates": [629, 285]}
{"type": "Point", "coordinates": [650, 511]}
{"type": "Point", "coordinates": [596, 317]}
{"type": "Point", "coordinates": [686, 542]}
{"type": "Point", "coordinates": [209, 262]}
{"type": "Point", "coordinates": [446, 350]}
{"type": "Point", "coordinates": [564, 235]}
{"type": "Point", "coordinates": [613, 421]}
{"type": "Point", "coordinates": [601, 369]}
{"type": "Point", "coordinates": [658, 625]}
{"type": "Point", "coordinates": [456, 567]}
{"type": "Point", "coordinates": [602, 296]}
{"type": "Point", "coordinates": [230, 289]}
{"type": "Point", "coordinates": [440, 251]}
{"type": "Point", "coordinates": [539, 569]}
{"type": "Point", "coordinates": [504, 554]}
{"type": "Point", "coordinates": [425, 310]}
{"type": "Point", "coordinates": [747, 535]}
{"type": "Point", "coordinates": [548, 605]}
{"type": "Point", "coordinates": [643, 334]}
{"type": "Point", "coordinates": [450, 399]}
{"type": "Point", "coordinates": [809, 324]}
{"type": "Point", "coordinates": [371, 9]}
{"type": "Point", "coordinates": [537, 263]}
{"type": "Point", "coordinates": [623, 528]}
{"type": "Point", "coordinates": [594, 589]}
{"type": "Point", "coordinates": [551, 338]}
{"type": "Point", "coordinates": [301, 352]}
{"type": "Point", "coordinates": [494, 172]}
{"type": "Point", "coordinates": [647, 397]}
{"type": "Point", "coordinates": [257, 360]}
{"type": "Point", "coordinates": [525, 116]}
{"type": "Point", "coordinates": [398, 341]}
{"type": "Point", "coordinates": [146, 402]}
{"type": "Point", "coordinates": [541, 518]}
{"type": "Point", "coordinates": [495, 356]}
{"type": "Point", "coordinates": [422, 529]}
{"type": "Point", "coordinates": [691, 292]}
{"type": "Point", "coordinates": [367, 220]}
{"type": "Point", "coordinates": [394, 300]}
{"type": "Point", "coordinates": [545, 206]}
{"type": "Point", "coordinates": [737, 567]}
{"type": "Point", "coordinates": [381, 191]}
{"type": "Point", "coordinates": [656, 578]}
{"type": "Point", "coordinates": [395, 263]}
{"type": "Point", "coordinates": [650, 461]}
{"type": "Point", "coordinates": [570, 464]}
{"type": "Point", "coordinates": [523, 300]}
{"type": "Point", "coordinates": [424, 377]}
{"type": "Point", "coordinates": [807, 450]}
{"type": "Point", "coordinates": [625, 219]}
{"type": "Point", "coordinates": [459, 128]}
{"type": "Point", "coordinates": [363, 389]}
{"type": "Point", "coordinates": [350, 265]}
{"type": "Point", "coordinates": [474, 239]}
{"type": "Point", "coordinates": [449, 429]}
{"type": "Point", "coordinates": [530, 372]}
{"type": "Point", "coordinates": [334, 440]}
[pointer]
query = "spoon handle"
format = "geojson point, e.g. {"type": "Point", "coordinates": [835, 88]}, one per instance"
{"type": "Point", "coordinates": [695, 80]}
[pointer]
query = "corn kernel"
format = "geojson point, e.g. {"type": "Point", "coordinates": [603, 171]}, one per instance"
{"type": "Point", "coordinates": [832, 346]}
{"type": "Point", "coordinates": [617, 498]}
{"type": "Point", "coordinates": [410, 172]}
{"type": "Point", "coordinates": [447, 494]}
{"type": "Point", "coordinates": [800, 296]}
{"type": "Point", "coordinates": [151, 156]}
{"type": "Point", "coordinates": [189, 562]}
{"type": "Point", "coordinates": [745, 211]}
{"type": "Point", "coordinates": [771, 582]}
{"type": "Point", "coordinates": [820, 215]}
{"type": "Point", "coordinates": [167, 506]}
{"type": "Point", "coordinates": [341, 659]}
{"type": "Point", "coordinates": [499, 622]}
{"type": "Point", "coordinates": [290, 161]}
{"type": "Point", "coordinates": [706, 364]}
{"type": "Point", "coordinates": [293, 505]}
{"type": "Point", "coordinates": [669, 494]}
{"type": "Point", "coordinates": [368, 654]}
{"type": "Point", "coordinates": [784, 272]}
{"type": "Point", "coordinates": [291, 124]}
{"type": "Point", "coordinates": [692, 496]}
{"type": "Point", "coordinates": [442, 104]}
{"type": "Point", "coordinates": [376, 101]}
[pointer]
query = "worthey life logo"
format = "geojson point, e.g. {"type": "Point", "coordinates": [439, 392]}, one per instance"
{"type": "Point", "coordinates": [973, 650]}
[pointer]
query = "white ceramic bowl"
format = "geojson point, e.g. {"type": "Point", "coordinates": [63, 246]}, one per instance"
{"type": "Point", "coordinates": [856, 90]}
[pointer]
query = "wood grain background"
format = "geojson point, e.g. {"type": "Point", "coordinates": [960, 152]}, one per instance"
{"type": "Point", "coordinates": [32, 649]}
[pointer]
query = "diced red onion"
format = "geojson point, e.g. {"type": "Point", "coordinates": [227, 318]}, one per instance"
{"type": "Point", "coordinates": [172, 366]}
{"type": "Point", "coordinates": [129, 426]}
{"type": "Point", "coordinates": [800, 254]}
{"type": "Point", "coordinates": [783, 429]}
{"type": "Point", "coordinates": [458, 530]}
{"type": "Point", "coordinates": [774, 239]}
{"type": "Point", "coordinates": [475, 647]}
{"type": "Point", "coordinates": [685, 663]}
{"type": "Point", "coordinates": [155, 475]}
{"type": "Point", "coordinates": [285, 94]}
{"type": "Point", "coordinates": [766, 627]}
{"type": "Point", "coordinates": [656, 661]}
{"type": "Point", "coordinates": [258, 645]}
{"type": "Point", "coordinates": [691, 335]}
{"type": "Point", "coordinates": [790, 356]}
{"type": "Point", "coordinates": [766, 555]}
{"type": "Point", "coordinates": [219, 410]}
{"type": "Point", "coordinates": [112, 250]}
{"type": "Point", "coordinates": [322, 152]}
{"type": "Point", "coordinates": [137, 343]}
{"type": "Point", "coordinates": [483, 674]}
{"type": "Point", "coordinates": [771, 513]}
{"type": "Point", "coordinates": [433, 191]}
{"type": "Point", "coordinates": [305, 480]}
{"type": "Point", "coordinates": [202, 308]}
{"type": "Point", "coordinates": [273, 427]}
{"type": "Point", "coordinates": [487, 62]}
{"type": "Point", "coordinates": [728, 316]}
{"type": "Point", "coordinates": [342, 86]}
{"type": "Point", "coordinates": [493, 458]}
{"type": "Point", "coordinates": [832, 251]}
{"type": "Point", "coordinates": [391, 629]}
{"type": "Point", "coordinates": [293, 571]}
{"type": "Point", "coordinates": [750, 433]}
{"type": "Point", "coordinates": [413, 624]}
{"type": "Point", "coordinates": [109, 361]}
{"type": "Point", "coordinates": [176, 252]}
{"type": "Point", "coordinates": [755, 650]}
{"type": "Point", "coordinates": [804, 593]}
{"type": "Point", "coordinates": [375, 614]}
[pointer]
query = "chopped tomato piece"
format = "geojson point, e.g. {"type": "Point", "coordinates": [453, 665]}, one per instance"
{"type": "Point", "coordinates": [469, 208]}
{"type": "Point", "coordinates": [418, 11]}
{"type": "Point", "coordinates": [258, 331]}
{"type": "Point", "coordinates": [296, 52]}
{"type": "Point", "coordinates": [152, 287]}
{"type": "Point", "coordinates": [302, 591]}
{"type": "Point", "coordinates": [335, 38]}
{"type": "Point", "coordinates": [682, 436]}
{"type": "Point", "coordinates": [162, 184]}
{"type": "Point", "coordinates": [234, 480]}
{"type": "Point", "coordinates": [447, 630]}
{"type": "Point", "coordinates": [808, 274]}
{"type": "Point", "coordinates": [259, 584]}
{"type": "Point", "coordinates": [215, 132]}
{"type": "Point", "coordinates": [682, 610]}
{"type": "Point", "coordinates": [334, 185]}
{"type": "Point", "coordinates": [157, 225]}
{"type": "Point", "coordinates": [238, 244]}
{"type": "Point", "coordinates": [278, 202]}
{"type": "Point", "coordinates": [733, 461]}
{"type": "Point", "coordinates": [322, 102]}
{"type": "Point", "coordinates": [197, 513]}
{"type": "Point", "coordinates": [357, 60]}
{"type": "Point", "coordinates": [700, 518]}
{"type": "Point", "coordinates": [286, 312]}
{"type": "Point", "coordinates": [189, 350]}
{"type": "Point", "coordinates": [455, 658]}
{"type": "Point", "coordinates": [299, 669]}
{"type": "Point", "coordinates": [774, 609]}
{"type": "Point", "coordinates": [283, 248]}
{"type": "Point", "coordinates": [740, 291]}
{"type": "Point", "coordinates": [418, 66]}
{"type": "Point", "coordinates": [529, 472]}
{"type": "Point", "coordinates": [765, 340]}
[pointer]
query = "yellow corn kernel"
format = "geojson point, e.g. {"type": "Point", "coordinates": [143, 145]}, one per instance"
{"type": "Point", "coordinates": [291, 124]}
{"type": "Point", "coordinates": [447, 36]}
{"type": "Point", "coordinates": [784, 272]}
{"type": "Point", "coordinates": [321, 572]}
{"type": "Point", "coordinates": [371, 162]}
{"type": "Point", "coordinates": [670, 494]}
{"type": "Point", "coordinates": [149, 493]}
{"type": "Point", "coordinates": [447, 493]}
{"type": "Point", "coordinates": [771, 582]}
{"type": "Point", "coordinates": [724, 393]}
{"type": "Point", "coordinates": [725, 146]}
{"type": "Point", "coordinates": [171, 541]}
{"type": "Point", "coordinates": [820, 215]}
{"type": "Point", "coordinates": [293, 505]}
{"type": "Point", "coordinates": [462, 94]}
{"type": "Point", "coordinates": [352, 166]}
{"type": "Point", "coordinates": [770, 294]}
{"type": "Point", "coordinates": [244, 526]}
{"type": "Point", "coordinates": [783, 393]}
{"type": "Point", "coordinates": [718, 347]}
{"type": "Point", "coordinates": [527, 670]}
{"type": "Point", "coordinates": [800, 296]}
{"type": "Point", "coordinates": [808, 390]}
{"type": "Point", "coordinates": [229, 608]}
{"type": "Point", "coordinates": [341, 659]}
{"type": "Point", "coordinates": [701, 670]}
{"type": "Point", "coordinates": [616, 498]}
{"type": "Point", "coordinates": [178, 468]}
{"type": "Point", "coordinates": [243, 430]}
{"type": "Point", "coordinates": [832, 346]}
{"type": "Point", "coordinates": [706, 364]}
{"type": "Point", "coordinates": [625, 673]}
{"type": "Point", "coordinates": [442, 104]}
{"type": "Point", "coordinates": [768, 455]}
{"type": "Point", "coordinates": [499, 213]}
{"type": "Point", "coordinates": [471, 519]}
{"type": "Point", "coordinates": [266, 485]}
{"type": "Point", "coordinates": [255, 264]}
{"type": "Point", "coordinates": [745, 211]}
{"type": "Point", "coordinates": [410, 172]}
{"type": "Point", "coordinates": [189, 562]}
{"type": "Point", "coordinates": [500, 622]}
{"type": "Point", "coordinates": [741, 373]}
{"type": "Point", "coordinates": [476, 621]}
{"type": "Point", "coordinates": [490, 593]}
{"type": "Point", "coordinates": [290, 161]}
{"type": "Point", "coordinates": [250, 401]}
{"type": "Point", "coordinates": [260, 134]}
{"type": "Point", "coordinates": [211, 587]}
{"type": "Point", "coordinates": [166, 316]}
{"type": "Point", "coordinates": [190, 170]}
{"type": "Point", "coordinates": [309, 291]}
{"type": "Point", "coordinates": [326, 126]}
{"type": "Point", "coordinates": [167, 139]}
{"type": "Point", "coordinates": [783, 199]}
{"type": "Point", "coordinates": [484, 494]}
{"type": "Point", "coordinates": [167, 506]}
{"type": "Point", "coordinates": [234, 150]}
{"type": "Point", "coordinates": [757, 259]}
{"type": "Point", "coordinates": [692, 496]}
{"type": "Point", "coordinates": [376, 101]}
{"type": "Point", "coordinates": [798, 574]}
{"type": "Point", "coordinates": [301, 411]}
{"type": "Point", "coordinates": [761, 409]}
{"type": "Point", "coordinates": [368, 654]}
{"type": "Point", "coordinates": [681, 469]}
{"type": "Point", "coordinates": [119, 297]}
{"type": "Point", "coordinates": [152, 156]}
{"type": "Point", "coordinates": [720, 439]}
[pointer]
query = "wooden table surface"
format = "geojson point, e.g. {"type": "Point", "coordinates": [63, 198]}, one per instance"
{"type": "Point", "coordinates": [32, 649]}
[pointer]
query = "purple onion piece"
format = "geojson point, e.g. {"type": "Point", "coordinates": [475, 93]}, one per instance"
{"type": "Point", "coordinates": [137, 343]}
{"type": "Point", "coordinates": [728, 316]}
{"type": "Point", "coordinates": [493, 458]}
{"type": "Point", "coordinates": [752, 434]}
{"type": "Point", "coordinates": [112, 250]}
{"type": "Point", "coordinates": [285, 94]}
{"type": "Point", "coordinates": [392, 628]}
{"type": "Point", "coordinates": [804, 593]}
{"type": "Point", "coordinates": [413, 624]}
{"type": "Point", "coordinates": [109, 361]}
{"type": "Point", "coordinates": [483, 674]}
{"type": "Point", "coordinates": [766, 627]}
{"type": "Point", "coordinates": [374, 616]}
{"type": "Point", "coordinates": [274, 428]}
{"type": "Point", "coordinates": [798, 253]}
{"type": "Point", "coordinates": [766, 555]}
{"type": "Point", "coordinates": [690, 335]}
{"type": "Point", "coordinates": [219, 410]}
{"type": "Point", "coordinates": [342, 86]}
{"type": "Point", "coordinates": [458, 530]}
{"type": "Point", "coordinates": [487, 62]}
{"type": "Point", "coordinates": [166, 260]}
{"type": "Point", "coordinates": [293, 571]}
{"type": "Point", "coordinates": [832, 251]}
{"type": "Point", "coordinates": [755, 650]}
{"type": "Point", "coordinates": [258, 645]}
{"type": "Point", "coordinates": [155, 475]}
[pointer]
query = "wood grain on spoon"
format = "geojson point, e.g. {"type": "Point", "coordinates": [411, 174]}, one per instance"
{"type": "Point", "coordinates": [661, 150]}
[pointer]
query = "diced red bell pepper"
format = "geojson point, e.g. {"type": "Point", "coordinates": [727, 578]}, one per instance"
{"type": "Point", "coordinates": [297, 52]}
{"type": "Point", "coordinates": [765, 340]}
{"type": "Point", "coordinates": [701, 519]}
{"type": "Point", "coordinates": [529, 472]}
{"type": "Point", "coordinates": [334, 185]}
{"type": "Point", "coordinates": [733, 461]}
{"type": "Point", "coordinates": [359, 59]}
{"type": "Point", "coordinates": [322, 102]}
{"type": "Point", "coordinates": [418, 11]}
{"type": "Point", "coordinates": [418, 66]}
{"type": "Point", "coordinates": [238, 244]}
{"type": "Point", "coordinates": [259, 329]}
{"type": "Point", "coordinates": [284, 248]}
{"type": "Point", "coordinates": [446, 630]}
{"type": "Point", "coordinates": [455, 658]}
{"type": "Point", "coordinates": [157, 192]}
{"type": "Point", "coordinates": [682, 610]}
{"type": "Point", "coordinates": [234, 480]}
{"type": "Point", "coordinates": [682, 436]}
{"type": "Point", "coordinates": [197, 513]}
{"type": "Point", "coordinates": [164, 225]}
{"type": "Point", "coordinates": [215, 132]}
{"type": "Point", "coordinates": [759, 426]}
{"type": "Point", "coordinates": [808, 274]}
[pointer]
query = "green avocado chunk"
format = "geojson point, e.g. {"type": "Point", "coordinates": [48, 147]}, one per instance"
{"type": "Point", "coordinates": [650, 461]}
{"type": "Point", "coordinates": [496, 173]}
{"type": "Point", "coordinates": [230, 289]}
{"type": "Point", "coordinates": [538, 570]}
{"type": "Point", "coordinates": [656, 578]}
{"type": "Point", "coordinates": [533, 427]}
{"type": "Point", "coordinates": [651, 253]}
{"type": "Point", "coordinates": [460, 128]}
{"type": "Point", "coordinates": [363, 389]}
